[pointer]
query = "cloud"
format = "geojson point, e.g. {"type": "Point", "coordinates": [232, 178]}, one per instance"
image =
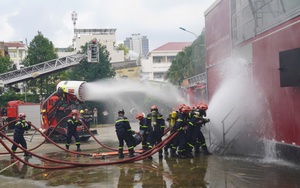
{"type": "Point", "coordinates": [158, 20]}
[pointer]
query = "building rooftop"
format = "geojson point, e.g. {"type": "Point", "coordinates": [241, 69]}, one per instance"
{"type": "Point", "coordinates": [173, 46]}
{"type": "Point", "coordinates": [14, 44]}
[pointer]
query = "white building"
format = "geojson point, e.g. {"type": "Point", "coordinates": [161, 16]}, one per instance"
{"type": "Point", "coordinates": [105, 37]}
{"type": "Point", "coordinates": [17, 52]}
{"type": "Point", "coordinates": [160, 59]}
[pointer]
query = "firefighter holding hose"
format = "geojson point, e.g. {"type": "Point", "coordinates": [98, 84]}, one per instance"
{"type": "Point", "coordinates": [72, 124]}
{"type": "Point", "coordinates": [156, 124]}
{"type": "Point", "coordinates": [144, 129]}
{"type": "Point", "coordinates": [20, 127]}
{"type": "Point", "coordinates": [124, 133]}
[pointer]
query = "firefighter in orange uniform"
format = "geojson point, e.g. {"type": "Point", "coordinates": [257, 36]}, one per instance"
{"type": "Point", "coordinates": [72, 124]}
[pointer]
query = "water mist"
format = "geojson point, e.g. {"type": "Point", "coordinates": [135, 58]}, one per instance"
{"type": "Point", "coordinates": [133, 96]}
{"type": "Point", "coordinates": [239, 108]}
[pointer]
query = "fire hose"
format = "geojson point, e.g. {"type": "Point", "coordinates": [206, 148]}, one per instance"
{"type": "Point", "coordinates": [75, 164]}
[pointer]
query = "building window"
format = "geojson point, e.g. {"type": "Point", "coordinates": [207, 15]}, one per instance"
{"type": "Point", "coordinates": [12, 54]}
{"type": "Point", "coordinates": [158, 59]}
{"type": "Point", "coordinates": [170, 58]}
{"type": "Point", "coordinates": [158, 75]}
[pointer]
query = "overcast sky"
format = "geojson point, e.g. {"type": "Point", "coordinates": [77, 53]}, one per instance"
{"type": "Point", "coordinates": [159, 20]}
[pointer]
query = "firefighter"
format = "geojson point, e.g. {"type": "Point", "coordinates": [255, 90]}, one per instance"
{"type": "Point", "coordinates": [181, 126]}
{"type": "Point", "coordinates": [144, 129]}
{"type": "Point", "coordinates": [20, 127]}
{"type": "Point", "coordinates": [87, 118]}
{"type": "Point", "coordinates": [193, 131]}
{"type": "Point", "coordinates": [156, 124]}
{"type": "Point", "coordinates": [202, 107]}
{"type": "Point", "coordinates": [172, 120]}
{"type": "Point", "coordinates": [124, 133]}
{"type": "Point", "coordinates": [72, 124]}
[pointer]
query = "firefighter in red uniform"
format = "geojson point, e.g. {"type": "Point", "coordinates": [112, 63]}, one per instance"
{"type": "Point", "coordinates": [124, 133]}
{"type": "Point", "coordinates": [156, 124]}
{"type": "Point", "coordinates": [72, 124]}
{"type": "Point", "coordinates": [202, 107]}
{"type": "Point", "coordinates": [144, 129]}
{"type": "Point", "coordinates": [20, 127]}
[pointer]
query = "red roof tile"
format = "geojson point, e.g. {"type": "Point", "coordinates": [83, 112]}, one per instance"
{"type": "Point", "coordinates": [173, 46]}
{"type": "Point", "coordinates": [14, 44]}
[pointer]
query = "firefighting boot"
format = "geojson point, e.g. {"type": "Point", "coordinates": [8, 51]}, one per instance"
{"type": "Point", "coordinates": [12, 156]}
{"type": "Point", "coordinates": [205, 150]}
{"type": "Point", "coordinates": [181, 155]}
{"type": "Point", "coordinates": [160, 155]}
{"type": "Point", "coordinates": [78, 147]}
{"type": "Point", "coordinates": [166, 150]}
{"type": "Point", "coordinates": [197, 150]}
{"type": "Point", "coordinates": [26, 154]}
{"type": "Point", "coordinates": [189, 153]}
{"type": "Point", "coordinates": [131, 152]}
{"type": "Point", "coordinates": [67, 146]}
{"type": "Point", "coordinates": [121, 155]}
{"type": "Point", "coordinates": [173, 152]}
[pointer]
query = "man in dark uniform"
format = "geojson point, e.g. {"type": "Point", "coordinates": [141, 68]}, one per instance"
{"type": "Point", "coordinates": [144, 130]}
{"type": "Point", "coordinates": [156, 124]}
{"type": "Point", "coordinates": [124, 133]}
{"type": "Point", "coordinates": [72, 124]}
{"type": "Point", "coordinates": [202, 107]}
{"type": "Point", "coordinates": [20, 127]}
{"type": "Point", "coordinates": [181, 126]}
{"type": "Point", "coordinates": [87, 118]}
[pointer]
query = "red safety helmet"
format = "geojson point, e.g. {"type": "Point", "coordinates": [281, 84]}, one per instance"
{"type": "Point", "coordinates": [21, 115]}
{"type": "Point", "coordinates": [202, 106]}
{"type": "Point", "coordinates": [154, 107]}
{"type": "Point", "coordinates": [180, 107]}
{"type": "Point", "coordinates": [185, 109]}
{"type": "Point", "coordinates": [139, 116]}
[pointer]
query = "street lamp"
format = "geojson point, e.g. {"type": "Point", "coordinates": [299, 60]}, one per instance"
{"type": "Point", "coordinates": [183, 29]}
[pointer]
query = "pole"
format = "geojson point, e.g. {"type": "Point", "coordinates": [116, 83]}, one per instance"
{"type": "Point", "coordinates": [183, 29]}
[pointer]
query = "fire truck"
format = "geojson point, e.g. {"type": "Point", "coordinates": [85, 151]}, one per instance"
{"type": "Point", "coordinates": [194, 89]}
{"type": "Point", "coordinates": [51, 113]}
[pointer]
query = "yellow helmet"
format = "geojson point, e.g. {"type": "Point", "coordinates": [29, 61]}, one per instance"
{"type": "Point", "coordinates": [81, 111]}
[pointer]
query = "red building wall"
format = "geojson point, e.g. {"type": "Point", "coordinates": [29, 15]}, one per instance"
{"type": "Point", "coordinates": [218, 42]}
{"type": "Point", "coordinates": [284, 101]}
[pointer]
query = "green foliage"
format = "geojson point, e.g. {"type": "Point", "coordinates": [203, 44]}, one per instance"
{"type": "Point", "coordinates": [93, 71]}
{"type": "Point", "coordinates": [189, 62]}
{"type": "Point", "coordinates": [124, 48]}
{"type": "Point", "coordinates": [41, 50]}
{"type": "Point", "coordinates": [5, 64]}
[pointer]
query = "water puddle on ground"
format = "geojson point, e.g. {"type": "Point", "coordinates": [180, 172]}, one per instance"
{"type": "Point", "coordinates": [200, 171]}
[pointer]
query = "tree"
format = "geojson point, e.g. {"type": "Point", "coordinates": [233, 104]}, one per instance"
{"type": "Point", "coordinates": [5, 64]}
{"type": "Point", "coordinates": [189, 62]}
{"type": "Point", "coordinates": [40, 50]}
{"type": "Point", "coordinates": [121, 46]}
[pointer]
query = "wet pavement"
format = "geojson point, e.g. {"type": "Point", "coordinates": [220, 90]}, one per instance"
{"type": "Point", "coordinates": [200, 171]}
